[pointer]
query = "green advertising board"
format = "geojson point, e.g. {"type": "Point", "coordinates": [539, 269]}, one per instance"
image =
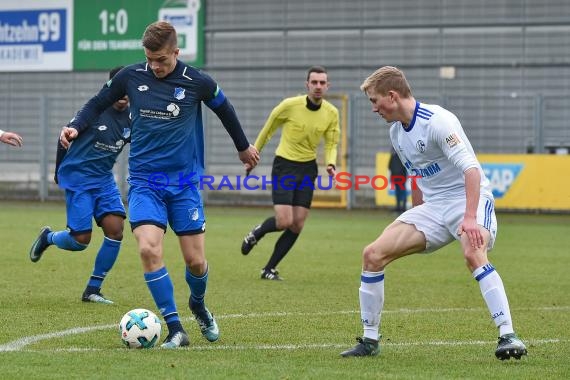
{"type": "Point", "coordinates": [108, 33]}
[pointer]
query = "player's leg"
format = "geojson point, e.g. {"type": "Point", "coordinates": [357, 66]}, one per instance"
{"type": "Point", "coordinates": [148, 219]}
{"type": "Point", "coordinates": [109, 215]}
{"type": "Point", "coordinates": [285, 241]}
{"type": "Point", "coordinates": [191, 235]}
{"type": "Point", "coordinates": [281, 195]}
{"type": "Point", "coordinates": [398, 239]}
{"type": "Point", "coordinates": [79, 209]}
{"type": "Point", "coordinates": [292, 205]}
{"type": "Point", "coordinates": [491, 284]}
{"type": "Point", "coordinates": [419, 229]}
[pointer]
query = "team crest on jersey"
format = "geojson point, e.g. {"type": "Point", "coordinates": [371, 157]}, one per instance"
{"type": "Point", "coordinates": [421, 146]}
{"type": "Point", "coordinates": [179, 93]}
{"type": "Point", "coordinates": [452, 140]}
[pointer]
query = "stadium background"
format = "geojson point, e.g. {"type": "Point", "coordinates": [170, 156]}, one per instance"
{"type": "Point", "coordinates": [502, 66]}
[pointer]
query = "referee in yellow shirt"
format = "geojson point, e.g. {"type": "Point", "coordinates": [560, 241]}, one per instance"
{"type": "Point", "coordinates": [305, 120]}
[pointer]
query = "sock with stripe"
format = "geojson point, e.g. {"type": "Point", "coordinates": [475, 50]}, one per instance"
{"type": "Point", "coordinates": [371, 302]}
{"type": "Point", "coordinates": [162, 291]}
{"type": "Point", "coordinates": [104, 261]}
{"type": "Point", "coordinates": [495, 297]}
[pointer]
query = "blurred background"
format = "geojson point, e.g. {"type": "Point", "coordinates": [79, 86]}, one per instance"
{"type": "Point", "coordinates": [502, 66]}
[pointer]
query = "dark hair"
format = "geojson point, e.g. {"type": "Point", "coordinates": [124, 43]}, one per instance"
{"type": "Point", "coordinates": [114, 71]}
{"type": "Point", "coordinates": [315, 69]}
{"type": "Point", "coordinates": [159, 35]}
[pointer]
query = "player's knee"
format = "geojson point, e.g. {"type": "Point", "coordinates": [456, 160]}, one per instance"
{"type": "Point", "coordinates": [83, 240]}
{"type": "Point", "coordinates": [197, 266]}
{"type": "Point", "coordinates": [149, 252]}
{"type": "Point", "coordinates": [372, 258]}
{"type": "Point", "coordinates": [474, 258]}
{"type": "Point", "coordinates": [297, 227]}
{"type": "Point", "coordinates": [115, 235]}
{"type": "Point", "coordinates": [284, 223]}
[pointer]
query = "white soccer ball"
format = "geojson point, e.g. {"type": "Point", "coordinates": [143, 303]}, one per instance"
{"type": "Point", "coordinates": [140, 328]}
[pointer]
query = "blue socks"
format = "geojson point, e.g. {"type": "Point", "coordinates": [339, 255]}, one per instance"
{"type": "Point", "coordinates": [64, 240]}
{"type": "Point", "coordinates": [104, 261]}
{"type": "Point", "coordinates": [197, 288]}
{"type": "Point", "coordinates": [162, 290]}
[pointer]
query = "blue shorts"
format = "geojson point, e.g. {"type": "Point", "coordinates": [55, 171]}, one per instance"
{"type": "Point", "coordinates": [84, 205]}
{"type": "Point", "coordinates": [180, 207]}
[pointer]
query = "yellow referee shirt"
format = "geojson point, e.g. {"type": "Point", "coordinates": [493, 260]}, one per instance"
{"type": "Point", "coordinates": [302, 130]}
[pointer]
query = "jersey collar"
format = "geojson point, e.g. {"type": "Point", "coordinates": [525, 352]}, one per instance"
{"type": "Point", "coordinates": [411, 126]}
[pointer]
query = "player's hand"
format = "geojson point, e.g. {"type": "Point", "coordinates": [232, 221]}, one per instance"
{"type": "Point", "coordinates": [471, 228]}
{"type": "Point", "coordinates": [67, 135]}
{"type": "Point", "coordinates": [11, 138]}
{"type": "Point", "coordinates": [331, 170]}
{"type": "Point", "coordinates": [248, 169]}
{"type": "Point", "coordinates": [250, 157]}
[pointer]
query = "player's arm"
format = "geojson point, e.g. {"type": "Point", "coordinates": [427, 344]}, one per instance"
{"type": "Point", "coordinates": [60, 154]}
{"type": "Point", "coordinates": [332, 137]}
{"type": "Point", "coordinates": [112, 91]}
{"type": "Point", "coordinates": [452, 144]}
{"type": "Point", "coordinates": [417, 196]}
{"type": "Point", "coordinates": [472, 194]}
{"type": "Point", "coordinates": [221, 106]}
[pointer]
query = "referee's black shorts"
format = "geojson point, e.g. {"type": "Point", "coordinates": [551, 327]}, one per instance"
{"type": "Point", "coordinates": [294, 182]}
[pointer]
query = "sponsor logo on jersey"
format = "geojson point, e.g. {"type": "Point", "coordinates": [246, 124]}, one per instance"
{"type": "Point", "coordinates": [102, 128]}
{"type": "Point", "coordinates": [173, 109]}
{"type": "Point", "coordinates": [452, 140]}
{"type": "Point", "coordinates": [142, 87]}
{"type": "Point", "coordinates": [421, 146]}
{"type": "Point", "coordinates": [179, 93]}
{"type": "Point", "coordinates": [428, 171]}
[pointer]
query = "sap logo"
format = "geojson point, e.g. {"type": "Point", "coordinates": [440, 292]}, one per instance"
{"type": "Point", "coordinates": [501, 177]}
{"type": "Point", "coordinates": [497, 315]}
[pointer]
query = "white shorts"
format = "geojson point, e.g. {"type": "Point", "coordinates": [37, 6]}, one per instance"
{"type": "Point", "coordinates": [440, 220]}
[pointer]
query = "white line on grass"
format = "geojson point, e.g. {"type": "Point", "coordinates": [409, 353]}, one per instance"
{"type": "Point", "coordinates": [294, 347]}
{"type": "Point", "coordinates": [19, 344]}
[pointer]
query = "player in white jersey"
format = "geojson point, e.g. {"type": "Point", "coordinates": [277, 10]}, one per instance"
{"type": "Point", "coordinates": [451, 202]}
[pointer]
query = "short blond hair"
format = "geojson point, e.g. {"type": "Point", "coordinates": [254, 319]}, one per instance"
{"type": "Point", "coordinates": [387, 78]}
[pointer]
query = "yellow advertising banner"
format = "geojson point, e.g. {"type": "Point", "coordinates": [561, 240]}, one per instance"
{"type": "Point", "coordinates": [518, 181]}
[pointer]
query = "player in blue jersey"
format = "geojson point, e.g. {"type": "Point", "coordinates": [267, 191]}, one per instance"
{"type": "Point", "coordinates": [11, 138]}
{"type": "Point", "coordinates": [453, 202]}
{"type": "Point", "coordinates": [165, 163]}
{"type": "Point", "coordinates": [85, 172]}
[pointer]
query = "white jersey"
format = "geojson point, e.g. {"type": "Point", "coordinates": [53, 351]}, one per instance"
{"type": "Point", "coordinates": [435, 148]}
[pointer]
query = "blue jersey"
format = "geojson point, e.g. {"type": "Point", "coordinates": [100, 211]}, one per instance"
{"type": "Point", "coordinates": [167, 138]}
{"type": "Point", "coordinates": [89, 161]}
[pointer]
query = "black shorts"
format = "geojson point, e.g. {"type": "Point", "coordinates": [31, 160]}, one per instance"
{"type": "Point", "coordinates": [293, 182]}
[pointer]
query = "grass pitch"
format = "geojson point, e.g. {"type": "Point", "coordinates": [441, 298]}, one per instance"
{"type": "Point", "coordinates": [435, 324]}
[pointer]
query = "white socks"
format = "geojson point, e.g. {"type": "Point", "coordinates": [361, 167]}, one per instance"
{"type": "Point", "coordinates": [495, 297]}
{"type": "Point", "coordinates": [371, 302]}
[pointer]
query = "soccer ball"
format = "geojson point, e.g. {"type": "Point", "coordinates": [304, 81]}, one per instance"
{"type": "Point", "coordinates": [140, 328]}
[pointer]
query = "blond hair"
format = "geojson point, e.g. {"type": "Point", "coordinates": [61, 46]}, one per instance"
{"type": "Point", "coordinates": [159, 35]}
{"type": "Point", "coordinates": [387, 78]}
